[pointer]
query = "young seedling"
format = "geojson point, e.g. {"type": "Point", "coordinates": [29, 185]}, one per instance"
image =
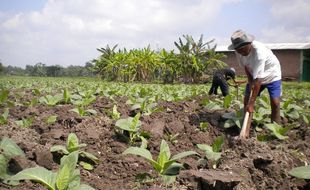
{"type": "Point", "coordinates": [73, 145]}
{"type": "Point", "coordinates": [165, 165]}
{"type": "Point", "coordinates": [213, 153]}
{"type": "Point", "coordinates": [25, 122]}
{"type": "Point", "coordinates": [51, 100]}
{"type": "Point", "coordinates": [8, 150]}
{"type": "Point", "coordinates": [277, 130]}
{"type": "Point", "coordinates": [66, 178]}
{"type": "Point", "coordinates": [81, 111]}
{"type": "Point", "coordinates": [203, 126]}
{"type": "Point", "coordinates": [4, 117]}
{"type": "Point", "coordinates": [132, 126]}
{"type": "Point", "coordinates": [146, 105]}
{"type": "Point", "coordinates": [114, 114]}
{"type": "Point", "coordinates": [4, 93]}
{"type": "Point", "coordinates": [51, 119]}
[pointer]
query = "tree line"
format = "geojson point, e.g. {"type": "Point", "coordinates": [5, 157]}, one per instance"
{"type": "Point", "coordinates": [42, 70]}
{"type": "Point", "coordinates": [192, 61]}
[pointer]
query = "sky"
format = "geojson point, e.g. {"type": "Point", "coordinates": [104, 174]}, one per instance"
{"type": "Point", "coordinates": [68, 32]}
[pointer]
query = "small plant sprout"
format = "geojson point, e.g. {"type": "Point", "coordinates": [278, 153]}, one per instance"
{"type": "Point", "coordinates": [66, 178]}
{"type": "Point", "coordinates": [4, 116]}
{"type": "Point", "coordinates": [73, 145]}
{"type": "Point", "coordinates": [213, 153]}
{"type": "Point", "coordinates": [277, 130]}
{"type": "Point", "coordinates": [4, 94]}
{"type": "Point", "coordinates": [132, 126]}
{"type": "Point", "coordinates": [165, 165]}
{"type": "Point", "coordinates": [81, 111]}
{"type": "Point", "coordinates": [114, 114]}
{"type": "Point", "coordinates": [51, 100]}
{"type": "Point", "coordinates": [25, 122]}
{"type": "Point", "coordinates": [8, 150]}
{"type": "Point", "coordinates": [203, 126]}
{"type": "Point", "coordinates": [172, 137]}
{"type": "Point", "coordinates": [51, 119]}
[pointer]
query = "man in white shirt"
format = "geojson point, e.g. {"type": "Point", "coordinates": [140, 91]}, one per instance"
{"type": "Point", "coordinates": [262, 69]}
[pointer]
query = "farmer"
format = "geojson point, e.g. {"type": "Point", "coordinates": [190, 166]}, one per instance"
{"type": "Point", "coordinates": [262, 69]}
{"type": "Point", "coordinates": [220, 79]}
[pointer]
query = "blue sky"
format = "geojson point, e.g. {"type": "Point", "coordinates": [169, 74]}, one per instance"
{"type": "Point", "coordinates": [68, 32]}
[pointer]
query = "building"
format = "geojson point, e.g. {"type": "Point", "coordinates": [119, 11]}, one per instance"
{"type": "Point", "coordinates": [294, 59]}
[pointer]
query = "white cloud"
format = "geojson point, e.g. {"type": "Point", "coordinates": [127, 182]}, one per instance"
{"type": "Point", "coordinates": [290, 21]}
{"type": "Point", "coordinates": [68, 32]}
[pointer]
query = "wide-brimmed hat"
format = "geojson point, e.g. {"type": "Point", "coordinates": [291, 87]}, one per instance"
{"type": "Point", "coordinates": [239, 38]}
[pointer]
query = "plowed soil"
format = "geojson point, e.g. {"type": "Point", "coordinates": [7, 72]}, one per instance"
{"type": "Point", "coordinates": [244, 165]}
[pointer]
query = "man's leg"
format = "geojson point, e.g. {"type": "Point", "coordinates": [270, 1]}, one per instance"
{"type": "Point", "coordinates": [212, 89]}
{"type": "Point", "coordinates": [275, 110]}
{"type": "Point", "coordinates": [275, 92]}
{"type": "Point", "coordinates": [224, 88]}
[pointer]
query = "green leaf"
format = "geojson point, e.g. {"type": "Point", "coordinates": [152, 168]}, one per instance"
{"type": "Point", "coordinates": [3, 167]}
{"type": "Point", "coordinates": [38, 174]}
{"type": "Point", "coordinates": [66, 95]}
{"type": "Point", "coordinates": [140, 152]}
{"type": "Point", "coordinates": [164, 154]}
{"type": "Point", "coordinates": [135, 122]}
{"type": "Point", "coordinates": [182, 155]}
{"type": "Point", "coordinates": [86, 166]}
{"type": "Point", "coordinates": [63, 176]}
{"type": "Point", "coordinates": [126, 124]}
{"type": "Point", "coordinates": [217, 144]}
{"type": "Point", "coordinates": [72, 142]}
{"type": "Point", "coordinates": [277, 130]}
{"type": "Point", "coordinates": [69, 162]}
{"type": "Point", "coordinates": [75, 180]}
{"type": "Point", "coordinates": [229, 123]}
{"type": "Point", "coordinates": [51, 119]}
{"type": "Point", "coordinates": [145, 154]}
{"type": "Point", "coordinates": [89, 156]}
{"type": "Point", "coordinates": [59, 148]}
{"type": "Point", "coordinates": [227, 101]}
{"type": "Point", "coordinates": [210, 154]}
{"type": "Point", "coordinates": [115, 114]}
{"type": "Point", "coordinates": [173, 169]}
{"type": "Point", "coordinates": [85, 187]}
{"type": "Point", "coordinates": [10, 148]}
{"type": "Point", "coordinates": [301, 172]}
{"type": "Point", "coordinates": [92, 111]}
{"type": "Point", "coordinates": [4, 96]}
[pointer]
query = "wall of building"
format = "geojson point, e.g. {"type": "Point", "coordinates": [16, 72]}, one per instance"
{"type": "Point", "coordinates": [289, 60]}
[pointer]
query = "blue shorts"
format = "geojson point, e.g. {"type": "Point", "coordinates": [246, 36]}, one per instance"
{"type": "Point", "coordinates": [274, 89]}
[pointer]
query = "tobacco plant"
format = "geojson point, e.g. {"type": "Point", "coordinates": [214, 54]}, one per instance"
{"type": "Point", "coordinates": [278, 131]}
{"type": "Point", "coordinates": [114, 114]}
{"type": "Point", "coordinates": [73, 145]}
{"type": "Point", "coordinates": [166, 166]}
{"type": "Point", "coordinates": [132, 126]}
{"type": "Point", "coordinates": [4, 116]}
{"type": "Point", "coordinates": [81, 111]}
{"type": "Point", "coordinates": [4, 93]}
{"type": "Point", "coordinates": [51, 100]}
{"type": "Point", "coordinates": [66, 178]}
{"type": "Point", "coordinates": [213, 153]}
{"type": "Point", "coordinates": [8, 150]}
{"type": "Point", "coordinates": [25, 122]}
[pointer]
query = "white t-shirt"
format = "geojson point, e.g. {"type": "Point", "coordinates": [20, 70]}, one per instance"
{"type": "Point", "coordinates": [261, 63]}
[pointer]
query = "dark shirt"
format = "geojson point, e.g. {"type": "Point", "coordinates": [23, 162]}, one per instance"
{"type": "Point", "coordinates": [225, 74]}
